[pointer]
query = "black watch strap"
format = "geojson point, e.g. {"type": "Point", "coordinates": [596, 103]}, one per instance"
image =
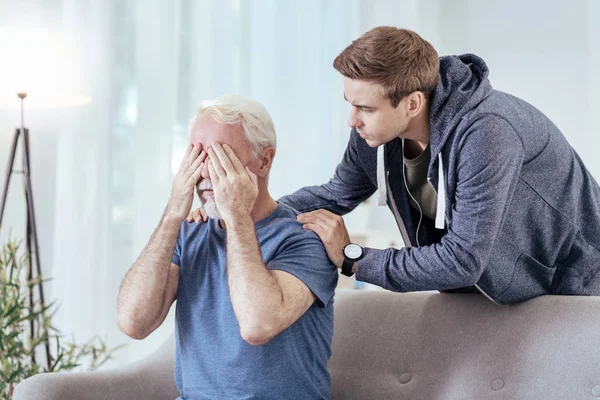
{"type": "Point", "coordinates": [347, 267]}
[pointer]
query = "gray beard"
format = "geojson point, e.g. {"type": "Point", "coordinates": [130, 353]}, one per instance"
{"type": "Point", "coordinates": [209, 207]}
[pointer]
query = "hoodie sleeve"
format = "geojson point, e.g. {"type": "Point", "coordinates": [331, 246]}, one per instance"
{"type": "Point", "coordinates": [489, 162]}
{"type": "Point", "coordinates": [349, 186]}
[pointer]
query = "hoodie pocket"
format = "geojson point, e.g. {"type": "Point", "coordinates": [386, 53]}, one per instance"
{"type": "Point", "coordinates": [579, 272]}
{"type": "Point", "coordinates": [530, 279]}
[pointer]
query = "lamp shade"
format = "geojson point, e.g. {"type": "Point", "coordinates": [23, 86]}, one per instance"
{"type": "Point", "coordinates": [41, 64]}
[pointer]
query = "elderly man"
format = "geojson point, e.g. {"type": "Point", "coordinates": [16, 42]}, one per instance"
{"type": "Point", "coordinates": [255, 290]}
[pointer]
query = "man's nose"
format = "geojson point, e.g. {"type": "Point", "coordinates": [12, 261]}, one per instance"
{"type": "Point", "coordinates": [204, 170]}
{"type": "Point", "coordinates": [353, 121]}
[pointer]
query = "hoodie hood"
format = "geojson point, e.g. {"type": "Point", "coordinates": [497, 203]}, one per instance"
{"type": "Point", "coordinates": [462, 86]}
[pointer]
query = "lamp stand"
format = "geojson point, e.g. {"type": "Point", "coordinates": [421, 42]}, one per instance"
{"type": "Point", "coordinates": [31, 236]}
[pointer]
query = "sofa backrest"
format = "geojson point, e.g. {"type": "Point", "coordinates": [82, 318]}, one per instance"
{"type": "Point", "coordinates": [462, 346]}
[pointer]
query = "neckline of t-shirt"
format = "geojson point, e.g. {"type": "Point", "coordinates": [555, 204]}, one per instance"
{"type": "Point", "coordinates": [258, 224]}
{"type": "Point", "coordinates": [421, 158]}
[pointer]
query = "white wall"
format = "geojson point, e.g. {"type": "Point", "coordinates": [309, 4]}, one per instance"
{"type": "Point", "coordinates": [543, 52]}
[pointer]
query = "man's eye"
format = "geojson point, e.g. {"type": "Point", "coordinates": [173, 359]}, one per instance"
{"type": "Point", "coordinates": [366, 110]}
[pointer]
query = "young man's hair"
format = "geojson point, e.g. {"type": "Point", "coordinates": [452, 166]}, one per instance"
{"type": "Point", "coordinates": [399, 60]}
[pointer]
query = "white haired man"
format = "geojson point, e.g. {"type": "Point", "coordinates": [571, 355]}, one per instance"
{"type": "Point", "coordinates": [254, 289]}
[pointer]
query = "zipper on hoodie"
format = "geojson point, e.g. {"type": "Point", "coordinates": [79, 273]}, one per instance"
{"type": "Point", "coordinates": [446, 219]}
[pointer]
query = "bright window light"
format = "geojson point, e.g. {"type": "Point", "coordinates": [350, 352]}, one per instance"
{"type": "Point", "coordinates": [39, 63]}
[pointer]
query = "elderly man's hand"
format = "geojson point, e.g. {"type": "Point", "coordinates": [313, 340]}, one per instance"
{"type": "Point", "coordinates": [332, 231]}
{"type": "Point", "coordinates": [235, 186]}
{"type": "Point", "coordinates": [182, 191]}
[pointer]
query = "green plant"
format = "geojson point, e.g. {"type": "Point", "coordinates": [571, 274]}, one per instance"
{"type": "Point", "coordinates": [27, 332]}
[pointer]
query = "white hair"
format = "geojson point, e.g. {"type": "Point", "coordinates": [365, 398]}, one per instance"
{"type": "Point", "coordinates": [254, 117]}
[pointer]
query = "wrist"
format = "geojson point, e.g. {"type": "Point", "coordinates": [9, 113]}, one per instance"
{"type": "Point", "coordinates": [234, 221]}
{"type": "Point", "coordinates": [340, 260]}
{"type": "Point", "coordinates": [352, 254]}
{"type": "Point", "coordinates": [172, 216]}
{"type": "Point", "coordinates": [176, 211]}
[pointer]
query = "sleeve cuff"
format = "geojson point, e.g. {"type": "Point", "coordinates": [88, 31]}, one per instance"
{"type": "Point", "coordinates": [371, 268]}
{"type": "Point", "coordinates": [322, 295]}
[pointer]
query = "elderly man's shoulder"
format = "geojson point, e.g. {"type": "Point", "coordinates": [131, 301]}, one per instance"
{"type": "Point", "coordinates": [293, 239]}
{"type": "Point", "coordinates": [287, 225]}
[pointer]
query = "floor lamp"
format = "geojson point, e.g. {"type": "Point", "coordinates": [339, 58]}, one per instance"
{"type": "Point", "coordinates": [31, 227]}
{"type": "Point", "coordinates": [33, 252]}
{"type": "Point", "coordinates": [41, 73]}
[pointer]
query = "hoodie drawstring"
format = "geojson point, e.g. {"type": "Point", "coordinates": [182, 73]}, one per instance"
{"type": "Point", "coordinates": [381, 185]}
{"type": "Point", "coordinates": [441, 196]}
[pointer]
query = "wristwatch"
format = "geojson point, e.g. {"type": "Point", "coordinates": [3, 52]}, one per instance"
{"type": "Point", "coordinates": [352, 253]}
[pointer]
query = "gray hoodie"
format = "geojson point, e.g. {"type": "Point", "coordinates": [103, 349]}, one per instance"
{"type": "Point", "coordinates": [518, 212]}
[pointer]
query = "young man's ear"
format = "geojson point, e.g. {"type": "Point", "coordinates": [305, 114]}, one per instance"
{"type": "Point", "coordinates": [266, 161]}
{"type": "Point", "coordinates": [416, 101]}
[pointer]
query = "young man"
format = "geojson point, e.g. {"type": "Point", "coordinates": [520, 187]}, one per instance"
{"type": "Point", "coordinates": [486, 191]}
{"type": "Point", "coordinates": [254, 290]}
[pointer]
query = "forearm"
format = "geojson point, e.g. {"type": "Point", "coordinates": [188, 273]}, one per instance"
{"type": "Point", "coordinates": [142, 292]}
{"type": "Point", "coordinates": [255, 293]}
{"type": "Point", "coordinates": [434, 267]}
{"type": "Point", "coordinates": [337, 196]}
{"type": "Point", "coordinates": [349, 186]}
{"type": "Point", "coordinates": [312, 198]}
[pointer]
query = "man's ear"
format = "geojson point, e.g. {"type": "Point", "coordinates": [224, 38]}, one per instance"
{"type": "Point", "coordinates": [266, 161]}
{"type": "Point", "coordinates": [415, 103]}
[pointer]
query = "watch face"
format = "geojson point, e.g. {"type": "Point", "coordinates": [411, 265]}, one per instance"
{"type": "Point", "coordinates": [353, 251]}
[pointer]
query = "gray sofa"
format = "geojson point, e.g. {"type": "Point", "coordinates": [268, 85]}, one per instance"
{"type": "Point", "coordinates": [409, 346]}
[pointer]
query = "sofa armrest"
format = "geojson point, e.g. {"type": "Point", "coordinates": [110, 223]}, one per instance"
{"type": "Point", "coordinates": [150, 378]}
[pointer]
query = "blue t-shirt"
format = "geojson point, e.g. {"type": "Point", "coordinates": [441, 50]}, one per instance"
{"type": "Point", "coordinates": [212, 360]}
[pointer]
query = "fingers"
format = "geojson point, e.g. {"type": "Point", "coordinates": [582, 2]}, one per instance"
{"type": "Point", "coordinates": [321, 213]}
{"type": "Point", "coordinates": [217, 168]}
{"type": "Point", "coordinates": [222, 159]}
{"type": "Point", "coordinates": [315, 218]}
{"type": "Point", "coordinates": [184, 160]}
{"type": "Point", "coordinates": [214, 177]}
{"type": "Point", "coordinates": [320, 216]}
{"type": "Point", "coordinates": [196, 162]}
{"type": "Point", "coordinates": [195, 169]}
{"type": "Point", "coordinates": [235, 161]}
{"type": "Point", "coordinates": [197, 216]}
{"type": "Point", "coordinates": [252, 176]}
{"type": "Point", "coordinates": [319, 230]}
{"type": "Point", "coordinates": [190, 156]}
{"type": "Point", "coordinates": [193, 154]}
